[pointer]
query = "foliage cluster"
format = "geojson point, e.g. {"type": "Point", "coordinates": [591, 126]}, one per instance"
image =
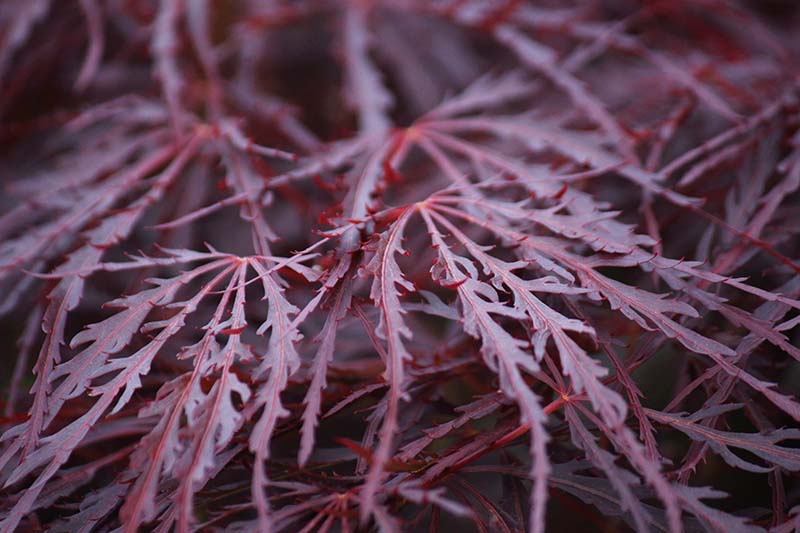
{"type": "Point", "coordinates": [331, 265]}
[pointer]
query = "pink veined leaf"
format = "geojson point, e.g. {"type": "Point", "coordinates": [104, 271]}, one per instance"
{"type": "Point", "coordinates": [55, 449]}
{"type": "Point", "coordinates": [366, 92]}
{"type": "Point", "coordinates": [163, 448]}
{"type": "Point", "coordinates": [350, 398]}
{"type": "Point", "coordinates": [231, 130]}
{"type": "Point", "coordinates": [634, 393]}
{"type": "Point", "coordinates": [503, 353]}
{"type": "Point", "coordinates": [164, 47]}
{"type": "Point", "coordinates": [391, 328]}
{"type": "Point", "coordinates": [157, 451]}
{"type": "Point", "coordinates": [370, 435]}
{"type": "Point", "coordinates": [183, 397]}
{"type": "Point", "coordinates": [327, 339]}
{"type": "Point", "coordinates": [707, 165]}
{"type": "Point", "coordinates": [113, 334]}
{"type": "Point", "coordinates": [596, 228]}
{"type": "Point", "coordinates": [714, 350]}
{"type": "Point", "coordinates": [790, 167]}
{"type": "Point", "coordinates": [93, 509]}
{"type": "Point", "coordinates": [433, 306]}
{"type": "Point", "coordinates": [213, 416]}
{"type": "Point", "coordinates": [243, 181]}
{"type": "Point", "coordinates": [763, 445]}
{"type": "Point", "coordinates": [712, 519]}
{"type": "Point", "coordinates": [580, 147]}
{"type": "Point", "coordinates": [171, 257]}
{"type": "Point", "coordinates": [64, 297]}
{"type": "Point", "coordinates": [766, 314]}
{"type": "Point", "coordinates": [612, 36]}
{"type": "Point", "coordinates": [196, 215]}
{"type": "Point", "coordinates": [367, 177]}
{"type": "Point", "coordinates": [769, 313]}
{"type": "Point", "coordinates": [130, 109]}
{"type": "Point", "coordinates": [485, 92]}
{"type": "Point", "coordinates": [624, 440]}
{"type": "Point", "coordinates": [167, 500]}
{"type": "Point", "coordinates": [547, 323]}
{"type": "Point", "coordinates": [143, 357]}
{"type": "Point", "coordinates": [764, 115]}
{"type": "Point", "coordinates": [542, 59]}
{"type": "Point", "coordinates": [763, 329]}
{"type": "Point", "coordinates": [277, 364]}
{"type": "Point", "coordinates": [540, 183]}
{"type": "Point", "coordinates": [110, 336]}
{"type": "Point", "coordinates": [786, 403]}
{"type": "Point", "coordinates": [641, 306]}
{"type": "Point", "coordinates": [624, 482]}
{"type": "Point", "coordinates": [335, 156]}
{"type": "Point", "coordinates": [667, 269]}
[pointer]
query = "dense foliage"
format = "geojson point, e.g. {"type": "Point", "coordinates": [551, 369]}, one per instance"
{"type": "Point", "coordinates": [417, 265]}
